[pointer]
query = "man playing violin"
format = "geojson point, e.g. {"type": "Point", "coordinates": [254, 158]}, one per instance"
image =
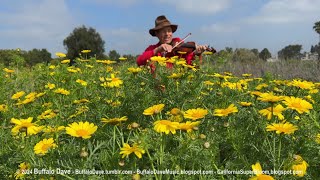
{"type": "Point", "coordinates": [164, 30]}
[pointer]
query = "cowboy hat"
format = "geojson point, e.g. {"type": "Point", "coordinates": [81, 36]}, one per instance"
{"type": "Point", "coordinates": [160, 23]}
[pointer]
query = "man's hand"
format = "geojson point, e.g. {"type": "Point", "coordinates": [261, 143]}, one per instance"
{"type": "Point", "coordinates": [163, 48]}
{"type": "Point", "coordinates": [200, 48]}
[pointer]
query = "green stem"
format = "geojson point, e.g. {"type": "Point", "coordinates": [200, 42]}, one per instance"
{"type": "Point", "coordinates": [274, 152]}
{"type": "Point", "coordinates": [279, 152]}
{"type": "Point", "coordinates": [114, 139]}
{"type": "Point", "coordinates": [161, 150]}
{"type": "Point", "coordinates": [153, 169]}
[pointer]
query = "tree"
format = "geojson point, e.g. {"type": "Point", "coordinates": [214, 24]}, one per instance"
{"type": "Point", "coordinates": [10, 57]}
{"type": "Point", "coordinates": [35, 56]}
{"type": "Point", "coordinates": [244, 55]}
{"type": "Point", "coordinates": [290, 52]}
{"type": "Point", "coordinates": [83, 38]}
{"type": "Point", "coordinates": [316, 27]}
{"type": "Point", "coordinates": [255, 51]}
{"type": "Point", "coordinates": [264, 54]}
{"type": "Point", "coordinates": [114, 55]}
{"type": "Point", "coordinates": [229, 49]}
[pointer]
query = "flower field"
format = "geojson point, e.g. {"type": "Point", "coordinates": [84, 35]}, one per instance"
{"type": "Point", "coordinates": [105, 119]}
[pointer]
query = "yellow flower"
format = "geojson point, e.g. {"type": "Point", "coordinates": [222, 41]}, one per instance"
{"type": "Point", "coordinates": [43, 146]}
{"type": "Point", "coordinates": [299, 167]}
{"type": "Point", "coordinates": [286, 128]}
{"type": "Point", "coordinates": [18, 95]}
{"type": "Point", "coordinates": [246, 75]}
{"type": "Point", "coordinates": [188, 126]}
{"type": "Point", "coordinates": [269, 97]}
{"type": "Point", "coordinates": [8, 70]}
{"type": "Point", "coordinates": [81, 101]}
{"type": "Point", "coordinates": [256, 93]}
{"type": "Point", "coordinates": [62, 91]}
{"type": "Point", "coordinates": [153, 109]}
{"type": "Point", "coordinates": [226, 112]}
{"type": "Point", "coordinates": [52, 67]}
{"type": "Point", "coordinates": [86, 51]}
{"type": "Point", "coordinates": [207, 53]}
{"type": "Point", "coordinates": [158, 59]}
{"type": "Point", "coordinates": [105, 61]}
{"type": "Point", "coordinates": [209, 83]}
{"type": "Point", "coordinates": [175, 111]}
{"type": "Point", "coordinates": [82, 82]}
{"type": "Point", "coordinates": [114, 120]}
{"type": "Point", "coordinates": [303, 84]}
{"type": "Point", "coordinates": [277, 111]}
{"type": "Point", "coordinates": [81, 129]}
{"type": "Point", "coordinates": [126, 150]}
{"type": "Point", "coordinates": [195, 114]}
{"type": "Point", "coordinates": [175, 75]}
{"type": "Point", "coordinates": [49, 129]}
{"type": "Point", "coordinates": [318, 138]}
{"type": "Point", "coordinates": [3, 108]}
{"type": "Point", "coordinates": [31, 95]}
{"type": "Point", "coordinates": [20, 173]}
{"type": "Point", "coordinates": [48, 114]}
{"type": "Point", "coordinates": [297, 104]}
{"type": "Point", "coordinates": [122, 58]}
{"type": "Point", "coordinates": [134, 70]}
{"type": "Point", "coordinates": [114, 81]}
{"type": "Point", "coordinates": [25, 125]}
{"type": "Point", "coordinates": [256, 168]}
{"type": "Point", "coordinates": [245, 104]}
{"type": "Point", "coordinates": [166, 126]}
{"type": "Point", "coordinates": [65, 61]}
{"type": "Point", "coordinates": [260, 86]}
{"type": "Point", "coordinates": [60, 55]}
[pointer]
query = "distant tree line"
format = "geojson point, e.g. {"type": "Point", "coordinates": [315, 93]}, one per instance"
{"type": "Point", "coordinates": [83, 38]}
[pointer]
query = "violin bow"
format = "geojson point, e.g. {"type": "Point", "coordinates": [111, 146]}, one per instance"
{"type": "Point", "coordinates": [177, 44]}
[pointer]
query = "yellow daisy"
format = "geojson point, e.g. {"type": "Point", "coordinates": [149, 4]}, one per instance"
{"type": "Point", "coordinates": [153, 109]}
{"type": "Point", "coordinates": [269, 97]}
{"type": "Point", "coordinates": [195, 114]}
{"type": "Point", "coordinates": [18, 95]}
{"type": "Point", "coordinates": [276, 111]}
{"type": "Point", "coordinates": [126, 150]}
{"type": "Point", "coordinates": [25, 125]}
{"type": "Point", "coordinates": [226, 112]}
{"type": "Point", "coordinates": [166, 126]}
{"type": "Point", "coordinates": [299, 166]}
{"type": "Point", "coordinates": [189, 126]}
{"type": "Point", "coordinates": [257, 170]}
{"type": "Point", "coordinates": [286, 128]}
{"type": "Point", "coordinates": [81, 129]}
{"type": "Point", "coordinates": [297, 104]}
{"type": "Point", "coordinates": [43, 146]}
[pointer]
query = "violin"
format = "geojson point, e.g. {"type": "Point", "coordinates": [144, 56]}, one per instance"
{"type": "Point", "coordinates": [188, 47]}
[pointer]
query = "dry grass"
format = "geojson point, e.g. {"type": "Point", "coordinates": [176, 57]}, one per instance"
{"type": "Point", "coordinates": [291, 69]}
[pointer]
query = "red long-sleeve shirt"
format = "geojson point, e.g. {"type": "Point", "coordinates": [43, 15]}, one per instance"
{"type": "Point", "coordinates": [149, 52]}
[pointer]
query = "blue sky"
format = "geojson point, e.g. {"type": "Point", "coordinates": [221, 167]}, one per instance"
{"type": "Point", "coordinates": [124, 24]}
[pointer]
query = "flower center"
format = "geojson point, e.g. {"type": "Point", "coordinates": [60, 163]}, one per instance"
{"type": "Point", "coordinates": [82, 132]}
{"type": "Point", "coordinates": [45, 147]}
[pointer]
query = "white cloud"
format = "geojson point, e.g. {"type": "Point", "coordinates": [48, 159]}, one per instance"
{"type": "Point", "coordinates": [287, 11]}
{"type": "Point", "coordinates": [35, 24]}
{"type": "Point", "coordinates": [219, 28]}
{"type": "Point", "coordinates": [198, 7]}
{"type": "Point", "coordinates": [125, 40]}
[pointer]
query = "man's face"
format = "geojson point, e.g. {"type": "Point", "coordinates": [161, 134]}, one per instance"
{"type": "Point", "coordinates": [164, 35]}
